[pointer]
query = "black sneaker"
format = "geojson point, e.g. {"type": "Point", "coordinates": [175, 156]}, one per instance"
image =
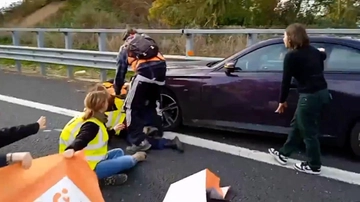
{"type": "Point", "coordinates": [114, 180]}
{"type": "Point", "coordinates": [305, 168]}
{"type": "Point", "coordinates": [277, 156]}
{"type": "Point", "coordinates": [144, 146]}
{"type": "Point", "coordinates": [175, 144]}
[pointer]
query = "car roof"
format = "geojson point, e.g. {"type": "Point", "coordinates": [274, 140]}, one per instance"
{"type": "Point", "coordinates": [351, 41]}
{"type": "Point", "coordinates": [339, 40]}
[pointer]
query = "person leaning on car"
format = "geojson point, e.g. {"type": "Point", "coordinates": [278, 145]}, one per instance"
{"type": "Point", "coordinates": [306, 64]}
{"type": "Point", "coordinates": [14, 134]}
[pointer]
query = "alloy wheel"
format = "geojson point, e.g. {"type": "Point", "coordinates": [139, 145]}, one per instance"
{"type": "Point", "coordinates": [169, 110]}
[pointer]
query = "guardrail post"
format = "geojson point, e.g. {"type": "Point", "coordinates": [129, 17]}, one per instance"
{"type": "Point", "coordinates": [16, 42]}
{"type": "Point", "coordinates": [251, 39]}
{"type": "Point", "coordinates": [189, 45]}
{"type": "Point", "coordinates": [40, 44]}
{"type": "Point", "coordinates": [102, 47]}
{"type": "Point", "coordinates": [68, 45]}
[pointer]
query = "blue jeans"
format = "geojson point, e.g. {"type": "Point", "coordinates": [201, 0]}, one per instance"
{"type": "Point", "coordinates": [116, 162]}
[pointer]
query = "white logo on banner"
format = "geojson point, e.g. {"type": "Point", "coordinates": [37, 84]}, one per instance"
{"type": "Point", "coordinates": [63, 191]}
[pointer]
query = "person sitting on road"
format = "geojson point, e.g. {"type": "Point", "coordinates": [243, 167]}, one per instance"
{"type": "Point", "coordinates": [154, 137]}
{"type": "Point", "coordinates": [115, 111]}
{"type": "Point", "coordinates": [88, 131]}
{"type": "Point", "coordinates": [14, 134]}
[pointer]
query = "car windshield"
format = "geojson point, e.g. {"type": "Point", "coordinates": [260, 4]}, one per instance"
{"type": "Point", "coordinates": [213, 63]}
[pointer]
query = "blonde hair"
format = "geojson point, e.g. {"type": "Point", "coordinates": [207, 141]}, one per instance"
{"type": "Point", "coordinates": [94, 102]}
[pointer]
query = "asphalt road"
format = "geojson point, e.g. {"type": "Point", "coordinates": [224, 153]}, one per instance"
{"type": "Point", "coordinates": [250, 180]}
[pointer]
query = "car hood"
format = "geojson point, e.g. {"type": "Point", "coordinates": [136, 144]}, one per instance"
{"type": "Point", "coordinates": [186, 68]}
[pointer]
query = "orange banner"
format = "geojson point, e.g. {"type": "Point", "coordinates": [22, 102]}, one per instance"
{"type": "Point", "coordinates": [50, 179]}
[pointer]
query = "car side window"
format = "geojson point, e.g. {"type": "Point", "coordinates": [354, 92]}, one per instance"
{"type": "Point", "coordinates": [318, 45]}
{"type": "Point", "coordinates": [343, 58]}
{"type": "Point", "coordinates": [268, 58]}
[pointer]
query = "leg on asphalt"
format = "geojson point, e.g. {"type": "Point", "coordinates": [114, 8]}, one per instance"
{"type": "Point", "coordinates": [109, 171]}
{"type": "Point", "coordinates": [292, 143]}
{"type": "Point", "coordinates": [162, 143]}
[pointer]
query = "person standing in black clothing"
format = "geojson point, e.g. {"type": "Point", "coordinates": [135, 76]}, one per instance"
{"type": "Point", "coordinates": [306, 64]}
{"type": "Point", "coordinates": [142, 54]}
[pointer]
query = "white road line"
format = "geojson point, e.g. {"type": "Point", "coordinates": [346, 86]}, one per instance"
{"type": "Point", "coordinates": [328, 172]}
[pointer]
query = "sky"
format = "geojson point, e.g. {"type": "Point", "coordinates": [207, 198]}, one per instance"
{"type": "Point", "coordinates": [4, 3]}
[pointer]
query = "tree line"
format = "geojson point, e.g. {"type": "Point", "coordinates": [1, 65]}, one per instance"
{"type": "Point", "coordinates": [256, 13]}
{"type": "Point", "coordinates": [220, 13]}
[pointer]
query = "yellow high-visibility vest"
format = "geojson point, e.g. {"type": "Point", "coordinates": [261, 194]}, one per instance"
{"type": "Point", "coordinates": [97, 148]}
{"type": "Point", "coordinates": [117, 116]}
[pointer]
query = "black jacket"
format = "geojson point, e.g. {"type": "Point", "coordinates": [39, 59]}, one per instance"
{"type": "Point", "coordinates": [88, 132]}
{"type": "Point", "coordinates": [14, 134]}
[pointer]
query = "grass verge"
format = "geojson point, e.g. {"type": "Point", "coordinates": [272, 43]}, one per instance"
{"type": "Point", "coordinates": [91, 74]}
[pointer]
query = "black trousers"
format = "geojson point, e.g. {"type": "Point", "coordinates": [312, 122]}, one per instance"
{"type": "Point", "coordinates": [141, 107]}
{"type": "Point", "coordinates": [305, 126]}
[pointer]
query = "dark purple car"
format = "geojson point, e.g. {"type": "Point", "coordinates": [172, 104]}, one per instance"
{"type": "Point", "coordinates": [241, 92]}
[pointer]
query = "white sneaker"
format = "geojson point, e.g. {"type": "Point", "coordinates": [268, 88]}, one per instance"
{"type": "Point", "coordinates": [305, 168]}
{"type": "Point", "coordinates": [277, 156]}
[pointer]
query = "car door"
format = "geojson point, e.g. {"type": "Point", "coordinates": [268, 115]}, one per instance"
{"type": "Point", "coordinates": [342, 72]}
{"type": "Point", "coordinates": [248, 98]}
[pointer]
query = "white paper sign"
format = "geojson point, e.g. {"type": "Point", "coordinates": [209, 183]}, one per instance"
{"type": "Point", "coordinates": [63, 191]}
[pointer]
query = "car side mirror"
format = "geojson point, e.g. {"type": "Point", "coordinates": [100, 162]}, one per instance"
{"type": "Point", "coordinates": [230, 68]}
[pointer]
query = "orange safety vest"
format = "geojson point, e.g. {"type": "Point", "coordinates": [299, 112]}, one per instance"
{"type": "Point", "coordinates": [110, 88]}
{"type": "Point", "coordinates": [135, 63]}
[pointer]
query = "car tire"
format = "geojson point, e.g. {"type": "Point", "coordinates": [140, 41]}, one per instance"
{"type": "Point", "coordinates": [355, 140]}
{"type": "Point", "coordinates": [170, 108]}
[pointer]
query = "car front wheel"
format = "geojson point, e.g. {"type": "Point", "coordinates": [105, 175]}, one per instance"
{"type": "Point", "coordinates": [171, 113]}
{"type": "Point", "coordinates": [355, 139]}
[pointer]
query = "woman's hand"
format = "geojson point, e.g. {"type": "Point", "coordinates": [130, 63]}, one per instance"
{"type": "Point", "coordinates": [119, 126]}
{"type": "Point", "coordinates": [24, 158]}
{"type": "Point", "coordinates": [281, 108]}
{"type": "Point", "coordinates": [42, 122]}
{"type": "Point", "coordinates": [69, 153]}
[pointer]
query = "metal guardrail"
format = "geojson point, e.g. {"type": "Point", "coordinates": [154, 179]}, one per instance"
{"type": "Point", "coordinates": [252, 37]}
{"type": "Point", "coordinates": [83, 58]}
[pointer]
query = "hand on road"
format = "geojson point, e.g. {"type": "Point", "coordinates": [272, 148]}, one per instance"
{"type": "Point", "coordinates": [119, 126]}
{"type": "Point", "coordinates": [42, 122]}
{"type": "Point", "coordinates": [281, 108]}
{"type": "Point", "coordinates": [69, 153]}
{"type": "Point", "coordinates": [24, 158]}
